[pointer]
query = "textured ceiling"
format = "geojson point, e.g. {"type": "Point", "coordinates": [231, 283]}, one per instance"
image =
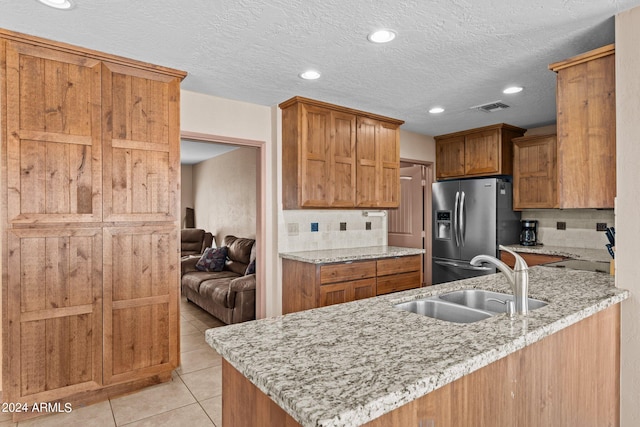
{"type": "Point", "coordinates": [452, 53]}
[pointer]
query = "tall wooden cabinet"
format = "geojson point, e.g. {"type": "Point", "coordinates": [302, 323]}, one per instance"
{"type": "Point", "coordinates": [482, 151]}
{"type": "Point", "coordinates": [586, 110]}
{"type": "Point", "coordinates": [337, 157]}
{"type": "Point", "coordinates": [90, 181]}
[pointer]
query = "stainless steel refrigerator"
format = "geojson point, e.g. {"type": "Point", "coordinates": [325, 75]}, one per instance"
{"type": "Point", "coordinates": [470, 217]}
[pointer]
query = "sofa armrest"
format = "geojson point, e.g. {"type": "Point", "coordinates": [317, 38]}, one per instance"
{"type": "Point", "coordinates": [244, 283]}
{"type": "Point", "coordinates": [188, 264]}
{"type": "Point", "coordinates": [241, 284]}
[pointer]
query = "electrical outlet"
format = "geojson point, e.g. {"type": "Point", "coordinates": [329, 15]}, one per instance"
{"type": "Point", "coordinates": [367, 225]}
{"type": "Point", "coordinates": [343, 226]}
{"type": "Point", "coordinates": [293, 228]}
{"type": "Point", "coordinates": [561, 225]}
{"type": "Point", "coordinates": [314, 227]}
{"type": "Point", "coordinates": [601, 226]}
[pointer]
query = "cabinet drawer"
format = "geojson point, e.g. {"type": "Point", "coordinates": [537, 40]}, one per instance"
{"type": "Point", "coordinates": [398, 265]}
{"type": "Point", "coordinates": [332, 273]}
{"type": "Point", "coordinates": [398, 282]}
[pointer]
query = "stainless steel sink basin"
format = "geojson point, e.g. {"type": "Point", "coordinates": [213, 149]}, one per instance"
{"type": "Point", "coordinates": [443, 310]}
{"type": "Point", "coordinates": [485, 300]}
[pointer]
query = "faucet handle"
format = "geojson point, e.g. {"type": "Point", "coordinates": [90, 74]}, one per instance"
{"type": "Point", "coordinates": [520, 263]}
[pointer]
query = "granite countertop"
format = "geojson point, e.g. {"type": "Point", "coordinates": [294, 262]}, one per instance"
{"type": "Point", "coordinates": [347, 364]}
{"type": "Point", "coordinates": [350, 254]}
{"type": "Point", "coordinates": [568, 252]}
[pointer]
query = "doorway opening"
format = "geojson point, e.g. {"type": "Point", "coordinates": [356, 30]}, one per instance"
{"type": "Point", "coordinates": [410, 224]}
{"type": "Point", "coordinates": [228, 144]}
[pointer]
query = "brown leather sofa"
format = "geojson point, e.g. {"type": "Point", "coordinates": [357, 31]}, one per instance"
{"type": "Point", "coordinates": [193, 241]}
{"type": "Point", "coordinates": [230, 294]}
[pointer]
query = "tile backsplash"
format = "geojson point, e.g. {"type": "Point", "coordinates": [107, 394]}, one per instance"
{"type": "Point", "coordinates": [305, 230]}
{"type": "Point", "coordinates": [580, 226]}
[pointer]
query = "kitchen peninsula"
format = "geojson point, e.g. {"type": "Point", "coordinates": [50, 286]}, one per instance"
{"type": "Point", "coordinates": [369, 363]}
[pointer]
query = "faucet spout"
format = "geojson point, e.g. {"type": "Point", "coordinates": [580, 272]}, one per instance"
{"type": "Point", "coordinates": [518, 278]}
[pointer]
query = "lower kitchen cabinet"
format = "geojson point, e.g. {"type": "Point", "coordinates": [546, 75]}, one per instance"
{"type": "Point", "coordinates": [530, 259]}
{"type": "Point", "coordinates": [307, 285]}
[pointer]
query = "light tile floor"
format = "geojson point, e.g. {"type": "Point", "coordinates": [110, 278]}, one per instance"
{"type": "Point", "coordinates": [192, 398]}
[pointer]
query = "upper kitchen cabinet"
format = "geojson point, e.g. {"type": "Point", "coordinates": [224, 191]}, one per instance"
{"type": "Point", "coordinates": [337, 157]}
{"type": "Point", "coordinates": [586, 115]}
{"type": "Point", "coordinates": [482, 151]}
{"type": "Point", "coordinates": [535, 172]}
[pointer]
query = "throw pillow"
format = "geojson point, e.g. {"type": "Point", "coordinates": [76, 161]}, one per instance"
{"type": "Point", "coordinates": [251, 268]}
{"type": "Point", "coordinates": [212, 259]}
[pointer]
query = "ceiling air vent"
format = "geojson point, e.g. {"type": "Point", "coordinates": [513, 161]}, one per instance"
{"type": "Point", "coordinates": [491, 107]}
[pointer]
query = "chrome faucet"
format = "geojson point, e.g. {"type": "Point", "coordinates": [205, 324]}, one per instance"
{"type": "Point", "coordinates": [518, 277]}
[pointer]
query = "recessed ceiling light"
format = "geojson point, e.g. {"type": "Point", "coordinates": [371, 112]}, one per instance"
{"type": "Point", "coordinates": [58, 4]}
{"type": "Point", "coordinates": [436, 110]}
{"type": "Point", "coordinates": [381, 36]}
{"type": "Point", "coordinates": [512, 89]}
{"type": "Point", "coordinates": [310, 75]}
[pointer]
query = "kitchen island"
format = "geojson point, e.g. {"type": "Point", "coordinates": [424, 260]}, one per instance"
{"type": "Point", "coordinates": [367, 362]}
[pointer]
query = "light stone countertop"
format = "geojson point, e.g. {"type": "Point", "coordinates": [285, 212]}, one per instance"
{"type": "Point", "coordinates": [326, 256]}
{"type": "Point", "coordinates": [347, 364]}
{"type": "Point", "coordinates": [569, 252]}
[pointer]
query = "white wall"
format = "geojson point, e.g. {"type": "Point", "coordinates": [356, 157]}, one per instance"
{"type": "Point", "coordinates": [233, 119]}
{"type": "Point", "coordinates": [414, 146]}
{"type": "Point", "coordinates": [186, 191]}
{"type": "Point", "coordinates": [224, 193]}
{"type": "Point", "coordinates": [627, 208]}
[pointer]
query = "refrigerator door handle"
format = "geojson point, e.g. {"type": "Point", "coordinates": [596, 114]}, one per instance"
{"type": "Point", "coordinates": [462, 266]}
{"type": "Point", "coordinates": [463, 225]}
{"type": "Point", "coordinates": [456, 224]}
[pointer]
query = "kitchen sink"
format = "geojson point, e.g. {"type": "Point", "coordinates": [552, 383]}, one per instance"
{"type": "Point", "coordinates": [443, 310]}
{"type": "Point", "coordinates": [485, 300]}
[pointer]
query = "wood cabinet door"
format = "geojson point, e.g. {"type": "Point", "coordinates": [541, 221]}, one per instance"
{"type": "Point", "coordinates": [336, 293]}
{"type": "Point", "coordinates": [450, 157]}
{"type": "Point", "coordinates": [367, 169]}
{"type": "Point", "coordinates": [342, 175]}
{"type": "Point", "coordinates": [482, 153]}
{"type": "Point", "coordinates": [140, 302]}
{"type": "Point", "coordinates": [54, 336]}
{"type": "Point", "coordinates": [315, 140]}
{"type": "Point", "coordinates": [535, 179]}
{"type": "Point", "coordinates": [141, 134]}
{"type": "Point", "coordinates": [53, 136]}
{"type": "Point", "coordinates": [364, 288]}
{"type": "Point", "coordinates": [378, 166]}
{"type": "Point", "coordinates": [586, 134]}
{"type": "Point", "coordinates": [389, 165]}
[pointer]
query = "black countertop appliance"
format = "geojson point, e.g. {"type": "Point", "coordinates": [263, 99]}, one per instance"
{"type": "Point", "coordinates": [529, 232]}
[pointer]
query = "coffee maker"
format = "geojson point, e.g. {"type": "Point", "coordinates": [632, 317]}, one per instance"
{"type": "Point", "coordinates": [529, 232]}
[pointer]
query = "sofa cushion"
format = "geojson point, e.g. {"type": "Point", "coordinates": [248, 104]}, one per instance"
{"type": "Point", "coordinates": [213, 259]}
{"type": "Point", "coordinates": [239, 254]}
{"type": "Point", "coordinates": [191, 241]}
{"type": "Point", "coordinates": [216, 290]}
{"type": "Point", "coordinates": [194, 279]}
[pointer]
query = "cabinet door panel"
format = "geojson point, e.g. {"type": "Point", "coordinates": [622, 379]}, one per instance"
{"type": "Point", "coordinates": [343, 160]}
{"type": "Point", "coordinates": [336, 293]}
{"type": "Point", "coordinates": [586, 134]}
{"type": "Point", "coordinates": [314, 152]}
{"type": "Point", "coordinates": [140, 301]}
{"type": "Point", "coordinates": [389, 191]}
{"type": "Point", "coordinates": [364, 288]}
{"type": "Point", "coordinates": [53, 131]}
{"type": "Point", "coordinates": [450, 157]}
{"type": "Point", "coordinates": [367, 169]}
{"type": "Point", "coordinates": [141, 150]}
{"type": "Point", "coordinates": [482, 154]}
{"type": "Point", "coordinates": [55, 324]}
{"type": "Point", "coordinates": [535, 173]}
